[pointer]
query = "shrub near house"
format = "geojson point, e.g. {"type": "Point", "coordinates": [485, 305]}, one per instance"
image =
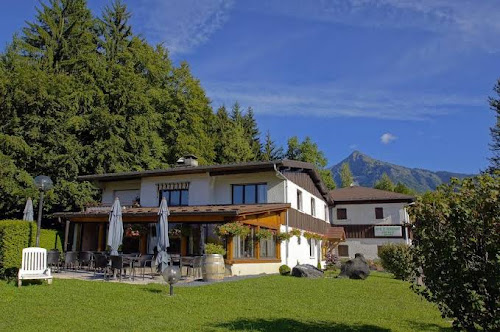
{"type": "Point", "coordinates": [18, 234]}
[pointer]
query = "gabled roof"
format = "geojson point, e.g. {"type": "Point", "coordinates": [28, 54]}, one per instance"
{"type": "Point", "coordinates": [360, 195]}
{"type": "Point", "coordinates": [335, 233]}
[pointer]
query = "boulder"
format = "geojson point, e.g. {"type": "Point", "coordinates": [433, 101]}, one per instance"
{"type": "Point", "coordinates": [306, 271]}
{"type": "Point", "coordinates": [356, 268]}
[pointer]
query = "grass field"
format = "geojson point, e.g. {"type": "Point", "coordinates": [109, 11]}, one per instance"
{"type": "Point", "coordinates": [272, 303]}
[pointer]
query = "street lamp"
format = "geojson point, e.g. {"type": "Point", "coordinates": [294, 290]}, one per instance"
{"type": "Point", "coordinates": [44, 184]}
{"type": "Point", "coordinates": [171, 275]}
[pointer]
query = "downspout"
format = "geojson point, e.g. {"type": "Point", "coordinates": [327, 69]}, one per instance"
{"type": "Point", "coordinates": [281, 176]}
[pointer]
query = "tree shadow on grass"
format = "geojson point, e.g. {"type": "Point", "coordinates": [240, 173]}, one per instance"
{"type": "Point", "coordinates": [417, 326]}
{"type": "Point", "coordinates": [286, 324]}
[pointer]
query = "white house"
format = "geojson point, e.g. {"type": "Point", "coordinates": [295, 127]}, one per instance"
{"type": "Point", "coordinates": [277, 195]}
{"type": "Point", "coordinates": [370, 218]}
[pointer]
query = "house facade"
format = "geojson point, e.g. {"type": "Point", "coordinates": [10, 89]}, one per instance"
{"type": "Point", "coordinates": [278, 195]}
{"type": "Point", "coordinates": [370, 218]}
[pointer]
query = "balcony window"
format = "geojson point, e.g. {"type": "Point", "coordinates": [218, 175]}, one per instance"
{"type": "Point", "coordinates": [249, 193]}
{"type": "Point", "coordinates": [176, 197]}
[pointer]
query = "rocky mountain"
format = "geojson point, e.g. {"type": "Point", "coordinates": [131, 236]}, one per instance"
{"type": "Point", "coordinates": [367, 171]}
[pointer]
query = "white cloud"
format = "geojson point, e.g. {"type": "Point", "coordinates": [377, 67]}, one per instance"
{"type": "Point", "coordinates": [387, 138]}
{"type": "Point", "coordinates": [182, 25]}
{"type": "Point", "coordinates": [333, 101]}
{"type": "Point", "coordinates": [353, 146]}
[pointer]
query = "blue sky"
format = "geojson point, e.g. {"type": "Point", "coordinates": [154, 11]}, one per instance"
{"type": "Point", "coordinates": [405, 81]}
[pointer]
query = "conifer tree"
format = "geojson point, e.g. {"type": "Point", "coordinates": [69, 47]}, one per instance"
{"type": "Point", "coordinates": [269, 150]}
{"type": "Point", "coordinates": [384, 183]}
{"type": "Point", "coordinates": [495, 130]}
{"type": "Point", "coordinates": [252, 132]}
{"type": "Point", "coordinates": [346, 176]}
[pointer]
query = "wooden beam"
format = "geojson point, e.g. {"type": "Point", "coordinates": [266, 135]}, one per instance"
{"type": "Point", "coordinates": [100, 237]}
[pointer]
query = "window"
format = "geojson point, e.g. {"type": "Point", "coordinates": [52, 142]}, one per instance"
{"type": "Point", "coordinates": [313, 207]}
{"type": "Point", "coordinates": [249, 193]}
{"type": "Point", "coordinates": [341, 214]}
{"type": "Point", "coordinates": [343, 250]}
{"type": "Point", "coordinates": [327, 217]}
{"type": "Point", "coordinates": [379, 213]}
{"type": "Point", "coordinates": [244, 247]}
{"type": "Point", "coordinates": [299, 200]}
{"type": "Point", "coordinates": [176, 197]}
{"type": "Point", "coordinates": [312, 247]}
{"type": "Point", "coordinates": [268, 247]}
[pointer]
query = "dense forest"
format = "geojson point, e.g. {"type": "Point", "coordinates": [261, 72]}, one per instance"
{"type": "Point", "coordinates": [81, 94]}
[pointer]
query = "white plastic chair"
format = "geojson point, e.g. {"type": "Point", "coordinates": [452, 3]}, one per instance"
{"type": "Point", "coordinates": [34, 266]}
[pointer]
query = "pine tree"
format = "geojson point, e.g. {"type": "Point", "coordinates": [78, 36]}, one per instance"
{"type": "Point", "coordinates": [402, 189]}
{"type": "Point", "coordinates": [346, 176]}
{"type": "Point", "coordinates": [495, 130]}
{"type": "Point", "coordinates": [252, 132]}
{"type": "Point", "coordinates": [384, 183]}
{"type": "Point", "coordinates": [62, 37]}
{"type": "Point", "coordinates": [269, 150]}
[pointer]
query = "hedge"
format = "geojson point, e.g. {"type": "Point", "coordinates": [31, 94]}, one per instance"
{"type": "Point", "coordinates": [18, 234]}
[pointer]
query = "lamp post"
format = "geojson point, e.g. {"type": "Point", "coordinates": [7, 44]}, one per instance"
{"type": "Point", "coordinates": [44, 184]}
{"type": "Point", "coordinates": [171, 275]}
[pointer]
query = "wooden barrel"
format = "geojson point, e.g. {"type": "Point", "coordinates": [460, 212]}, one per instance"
{"type": "Point", "coordinates": [213, 268]}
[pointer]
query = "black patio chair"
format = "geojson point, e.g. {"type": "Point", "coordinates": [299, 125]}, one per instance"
{"type": "Point", "coordinates": [70, 259]}
{"type": "Point", "coordinates": [86, 258]}
{"type": "Point", "coordinates": [176, 259]}
{"type": "Point", "coordinates": [101, 264]}
{"type": "Point", "coordinates": [53, 259]}
{"type": "Point", "coordinates": [118, 264]}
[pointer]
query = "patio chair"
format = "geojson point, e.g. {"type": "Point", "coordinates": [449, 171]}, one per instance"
{"type": "Point", "coordinates": [101, 263]}
{"type": "Point", "coordinates": [196, 273]}
{"type": "Point", "coordinates": [176, 259]}
{"type": "Point", "coordinates": [146, 261]}
{"type": "Point", "coordinates": [70, 259]}
{"type": "Point", "coordinates": [85, 258]}
{"type": "Point", "coordinates": [53, 259]}
{"type": "Point", "coordinates": [117, 264]}
{"type": "Point", "coordinates": [34, 266]}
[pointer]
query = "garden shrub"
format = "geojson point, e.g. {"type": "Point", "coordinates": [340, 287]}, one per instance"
{"type": "Point", "coordinates": [285, 270]}
{"type": "Point", "coordinates": [15, 235]}
{"type": "Point", "coordinates": [396, 259]}
{"type": "Point", "coordinates": [456, 246]}
{"type": "Point", "coordinates": [213, 249]}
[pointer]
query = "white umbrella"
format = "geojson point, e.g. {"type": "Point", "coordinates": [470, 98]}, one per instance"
{"type": "Point", "coordinates": [28, 210]}
{"type": "Point", "coordinates": [162, 235]}
{"type": "Point", "coordinates": [115, 232]}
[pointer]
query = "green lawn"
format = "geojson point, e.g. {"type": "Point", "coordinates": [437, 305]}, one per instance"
{"type": "Point", "coordinates": [272, 303]}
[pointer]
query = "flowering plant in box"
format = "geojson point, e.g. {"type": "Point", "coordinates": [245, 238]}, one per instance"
{"type": "Point", "coordinates": [232, 229]}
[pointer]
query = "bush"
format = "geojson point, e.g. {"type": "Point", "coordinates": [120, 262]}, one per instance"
{"type": "Point", "coordinates": [15, 235]}
{"type": "Point", "coordinates": [457, 248]}
{"type": "Point", "coordinates": [396, 259]}
{"type": "Point", "coordinates": [285, 270]}
{"type": "Point", "coordinates": [214, 249]}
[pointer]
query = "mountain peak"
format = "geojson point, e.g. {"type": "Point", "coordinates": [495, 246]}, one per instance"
{"type": "Point", "coordinates": [367, 171]}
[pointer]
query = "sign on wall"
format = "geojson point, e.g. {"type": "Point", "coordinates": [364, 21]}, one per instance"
{"type": "Point", "coordinates": [388, 231]}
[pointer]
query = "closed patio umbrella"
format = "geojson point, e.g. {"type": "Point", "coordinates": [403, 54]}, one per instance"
{"type": "Point", "coordinates": [28, 210]}
{"type": "Point", "coordinates": [202, 239]}
{"type": "Point", "coordinates": [162, 235]}
{"type": "Point", "coordinates": [115, 232]}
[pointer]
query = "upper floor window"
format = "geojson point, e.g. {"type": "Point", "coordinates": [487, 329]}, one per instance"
{"type": "Point", "coordinates": [379, 213]}
{"type": "Point", "coordinates": [249, 193]}
{"type": "Point", "coordinates": [176, 197]}
{"type": "Point", "coordinates": [341, 214]}
{"type": "Point", "coordinates": [313, 207]}
{"type": "Point", "coordinates": [327, 217]}
{"type": "Point", "coordinates": [299, 200]}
